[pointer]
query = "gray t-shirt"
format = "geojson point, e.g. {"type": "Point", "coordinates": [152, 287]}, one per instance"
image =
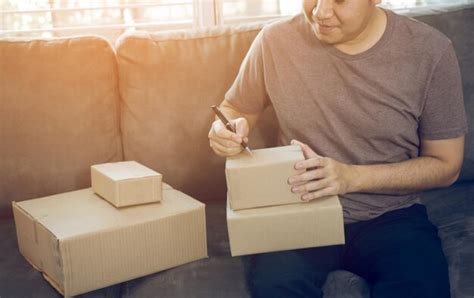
{"type": "Point", "coordinates": [369, 108]}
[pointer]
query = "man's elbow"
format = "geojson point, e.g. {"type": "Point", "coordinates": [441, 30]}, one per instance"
{"type": "Point", "coordinates": [451, 169]}
{"type": "Point", "coordinates": [455, 178]}
{"type": "Point", "coordinates": [452, 178]}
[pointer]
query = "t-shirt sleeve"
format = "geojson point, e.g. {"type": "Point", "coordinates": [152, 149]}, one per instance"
{"type": "Point", "coordinates": [443, 115]}
{"type": "Point", "coordinates": [248, 93]}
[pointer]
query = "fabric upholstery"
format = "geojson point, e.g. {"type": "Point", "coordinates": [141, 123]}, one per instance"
{"type": "Point", "coordinates": [344, 284]}
{"type": "Point", "coordinates": [59, 115]}
{"type": "Point", "coordinates": [168, 81]}
{"type": "Point", "coordinates": [452, 211]}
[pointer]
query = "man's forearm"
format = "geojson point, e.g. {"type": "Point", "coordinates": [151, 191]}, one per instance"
{"type": "Point", "coordinates": [409, 176]}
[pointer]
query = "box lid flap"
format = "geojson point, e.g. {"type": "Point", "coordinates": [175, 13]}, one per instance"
{"type": "Point", "coordinates": [261, 157]}
{"type": "Point", "coordinates": [326, 202]}
{"type": "Point", "coordinates": [83, 212]}
{"type": "Point", "coordinates": [125, 170]}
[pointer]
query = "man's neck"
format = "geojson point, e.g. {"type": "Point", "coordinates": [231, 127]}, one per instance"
{"type": "Point", "coordinates": [367, 38]}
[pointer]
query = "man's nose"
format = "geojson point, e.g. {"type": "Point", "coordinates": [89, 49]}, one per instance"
{"type": "Point", "coordinates": [323, 10]}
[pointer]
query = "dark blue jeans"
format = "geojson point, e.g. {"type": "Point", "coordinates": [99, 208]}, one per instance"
{"type": "Point", "coordinates": [398, 253]}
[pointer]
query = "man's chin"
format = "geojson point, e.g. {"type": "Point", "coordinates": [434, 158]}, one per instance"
{"type": "Point", "coordinates": [327, 39]}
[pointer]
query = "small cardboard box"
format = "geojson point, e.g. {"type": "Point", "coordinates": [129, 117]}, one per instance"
{"type": "Point", "coordinates": [313, 224]}
{"type": "Point", "coordinates": [126, 183]}
{"type": "Point", "coordinates": [261, 179]}
{"type": "Point", "coordinates": [82, 243]}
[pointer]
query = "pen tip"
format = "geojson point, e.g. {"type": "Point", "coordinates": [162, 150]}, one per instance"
{"type": "Point", "coordinates": [249, 151]}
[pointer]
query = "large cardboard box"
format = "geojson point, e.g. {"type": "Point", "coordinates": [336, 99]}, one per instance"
{"type": "Point", "coordinates": [126, 183]}
{"type": "Point", "coordinates": [82, 243]}
{"type": "Point", "coordinates": [261, 179]}
{"type": "Point", "coordinates": [293, 226]}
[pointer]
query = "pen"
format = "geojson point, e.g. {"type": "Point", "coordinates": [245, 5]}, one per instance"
{"type": "Point", "coordinates": [229, 126]}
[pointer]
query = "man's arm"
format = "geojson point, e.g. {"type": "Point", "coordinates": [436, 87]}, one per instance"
{"type": "Point", "coordinates": [439, 165]}
{"type": "Point", "coordinates": [224, 142]}
{"type": "Point", "coordinates": [232, 112]}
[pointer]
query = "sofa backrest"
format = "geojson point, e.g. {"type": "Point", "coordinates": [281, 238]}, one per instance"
{"type": "Point", "coordinates": [168, 82]}
{"type": "Point", "coordinates": [59, 115]}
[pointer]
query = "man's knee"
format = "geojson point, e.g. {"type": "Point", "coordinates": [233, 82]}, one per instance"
{"type": "Point", "coordinates": [283, 274]}
{"type": "Point", "coordinates": [297, 273]}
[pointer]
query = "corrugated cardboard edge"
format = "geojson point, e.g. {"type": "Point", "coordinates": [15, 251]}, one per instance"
{"type": "Point", "coordinates": [39, 267]}
{"type": "Point", "coordinates": [17, 209]}
{"type": "Point", "coordinates": [235, 253]}
{"type": "Point", "coordinates": [54, 284]}
{"type": "Point", "coordinates": [233, 190]}
{"type": "Point", "coordinates": [157, 190]}
{"type": "Point", "coordinates": [65, 254]}
{"type": "Point", "coordinates": [99, 183]}
{"type": "Point", "coordinates": [98, 178]}
{"type": "Point", "coordinates": [289, 149]}
{"type": "Point", "coordinates": [226, 172]}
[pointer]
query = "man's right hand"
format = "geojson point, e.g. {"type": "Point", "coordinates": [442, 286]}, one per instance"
{"type": "Point", "coordinates": [226, 143]}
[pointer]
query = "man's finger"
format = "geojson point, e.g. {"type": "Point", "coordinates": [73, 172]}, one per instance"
{"type": "Point", "coordinates": [241, 126]}
{"type": "Point", "coordinates": [307, 176]}
{"type": "Point", "coordinates": [316, 162]}
{"type": "Point", "coordinates": [222, 132]}
{"type": "Point", "coordinates": [310, 186]}
{"type": "Point", "coordinates": [225, 150]}
{"type": "Point", "coordinates": [224, 142]}
{"type": "Point", "coordinates": [317, 194]}
{"type": "Point", "coordinates": [307, 151]}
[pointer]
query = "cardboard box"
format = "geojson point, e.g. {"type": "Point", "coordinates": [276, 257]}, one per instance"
{"type": "Point", "coordinates": [312, 224]}
{"type": "Point", "coordinates": [82, 243]}
{"type": "Point", "coordinates": [261, 179]}
{"type": "Point", "coordinates": [126, 183]}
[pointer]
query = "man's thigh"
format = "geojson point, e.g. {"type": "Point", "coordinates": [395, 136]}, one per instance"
{"type": "Point", "coordinates": [400, 254]}
{"type": "Point", "coordinates": [294, 273]}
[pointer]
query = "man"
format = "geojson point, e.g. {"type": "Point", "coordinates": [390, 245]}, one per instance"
{"type": "Point", "coordinates": [375, 101]}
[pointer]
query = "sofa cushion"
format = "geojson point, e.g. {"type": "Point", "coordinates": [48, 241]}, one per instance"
{"type": "Point", "coordinates": [168, 81]}
{"type": "Point", "coordinates": [345, 284]}
{"type": "Point", "coordinates": [452, 211]}
{"type": "Point", "coordinates": [59, 109]}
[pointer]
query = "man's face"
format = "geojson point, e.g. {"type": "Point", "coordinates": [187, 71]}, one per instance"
{"type": "Point", "coordinates": [339, 21]}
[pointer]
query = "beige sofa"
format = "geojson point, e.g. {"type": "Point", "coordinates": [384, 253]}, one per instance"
{"type": "Point", "coordinates": [66, 104]}
{"type": "Point", "coordinates": [69, 103]}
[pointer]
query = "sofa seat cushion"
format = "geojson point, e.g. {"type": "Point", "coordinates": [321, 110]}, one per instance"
{"type": "Point", "coordinates": [452, 211]}
{"type": "Point", "coordinates": [59, 105]}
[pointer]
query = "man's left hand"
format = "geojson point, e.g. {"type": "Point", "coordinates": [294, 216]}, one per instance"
{"type": "Point", "coordinates": [323, 177]}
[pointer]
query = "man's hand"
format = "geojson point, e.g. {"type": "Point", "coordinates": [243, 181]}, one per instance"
{"type": "Point", "coordinates": [323, 177]}
{"type": "Point", "coordinates": [226, 143]}
{"type": "Point", "coordinates": [438, 165]}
